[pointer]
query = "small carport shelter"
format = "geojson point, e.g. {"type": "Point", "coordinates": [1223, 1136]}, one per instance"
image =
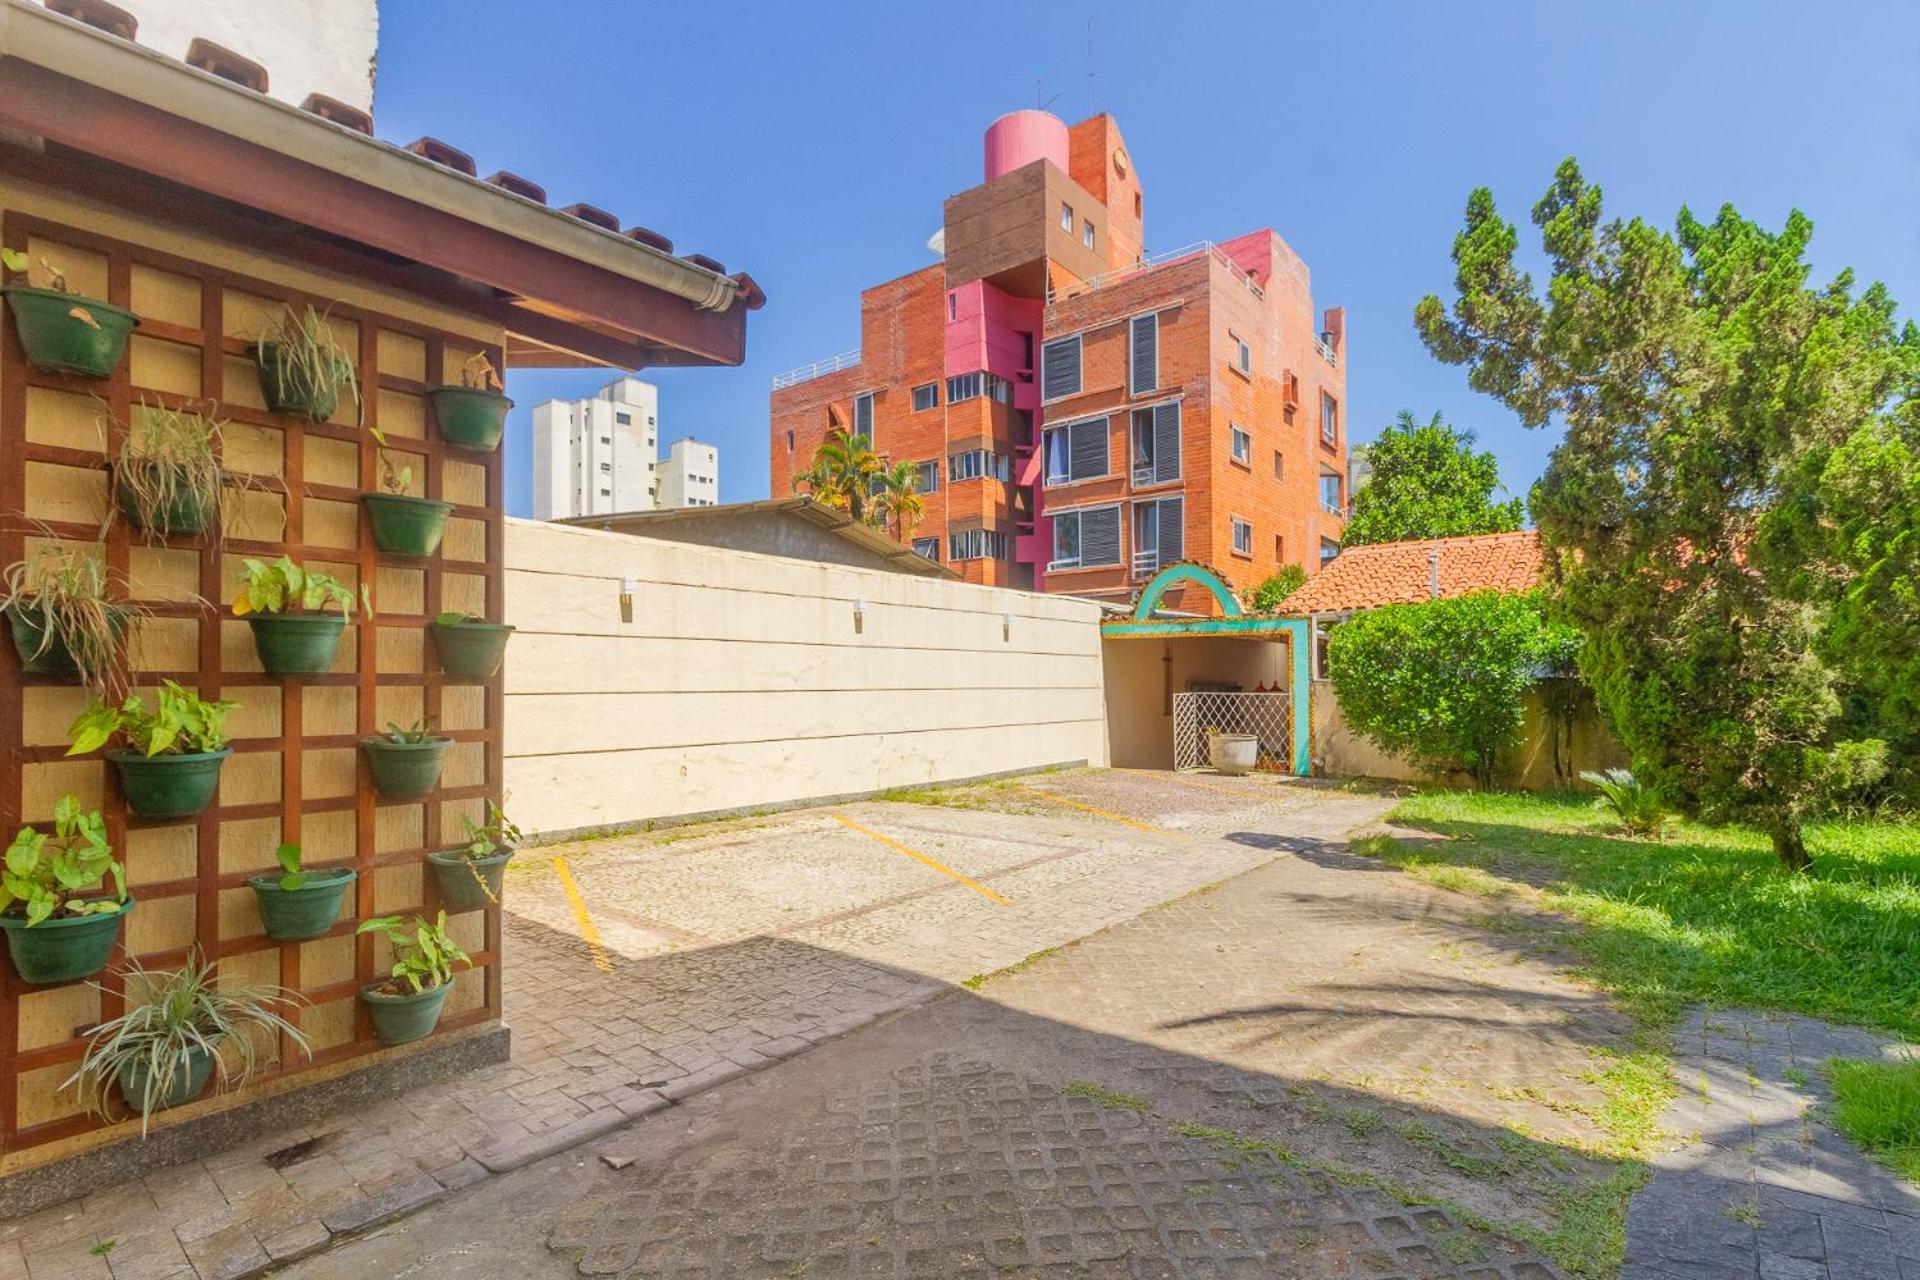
{"type": "Point", "coordinates": [1171, 677]}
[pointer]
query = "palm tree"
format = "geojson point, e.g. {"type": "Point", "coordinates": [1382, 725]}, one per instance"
{"type": "Point", "coordinates": [899, 502]}
{"type": "Point", "coordinates": [843, 473]}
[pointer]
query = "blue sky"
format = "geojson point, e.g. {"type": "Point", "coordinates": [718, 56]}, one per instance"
{"type": "Point", "coordinates": [813, 144]}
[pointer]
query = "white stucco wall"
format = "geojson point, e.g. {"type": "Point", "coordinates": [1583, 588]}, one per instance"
{"type": "Point", "coordinates": [742, 680]}
{"type": "Point", "coordinates": [307, 46]}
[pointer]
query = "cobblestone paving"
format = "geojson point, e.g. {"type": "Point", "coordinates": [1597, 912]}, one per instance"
{"type": "Point", "coordinates": [1767, 1191]}
{"type": "Point", "coordinates": [733, 947]}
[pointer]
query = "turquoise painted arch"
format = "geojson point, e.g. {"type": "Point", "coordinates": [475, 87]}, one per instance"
{"type": "Point", "coordinates": [1233, 624]}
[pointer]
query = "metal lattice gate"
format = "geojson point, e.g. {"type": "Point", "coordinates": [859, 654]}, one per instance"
{"type": "Point", "coordinates": [1267, 716]}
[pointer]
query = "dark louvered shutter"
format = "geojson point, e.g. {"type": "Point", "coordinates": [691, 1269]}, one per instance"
{"type": "Point", "coordinates": [863, 416]}
{"type": "Point", "coordinates": [1100, 536]}
{"type": "Point", "coordinates": [1060, 368]}
{"type": "Point", "coordinates": [1173, 542]}
{"type": "Point", "coordinates": [1166, 442]}
{"type": "Point", "coordinates": [1088, 444]}
{"type": "Point", "coordinates": [1145, 370]}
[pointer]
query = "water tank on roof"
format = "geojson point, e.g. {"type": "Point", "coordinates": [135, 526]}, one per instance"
{"type": "Point", "coordinates": [1021, 137]}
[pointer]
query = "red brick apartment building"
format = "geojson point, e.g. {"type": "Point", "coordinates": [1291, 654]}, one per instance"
{"type": "Point", "coordinates": [1081, 412]}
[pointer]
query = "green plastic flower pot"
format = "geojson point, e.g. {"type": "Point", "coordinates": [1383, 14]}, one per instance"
{"type": "Point", "coordinates": [406, 526]}
{"type": "Point", "coordinates": [471, 650]}
{"type": "Point", "coordinates": [295, 392]}
{"type": "Point", "coordinates": [307, 912]}
{"type": "Point", "coordinates": [297, 644]}
{"type": "Point", "coordinates": [42, 654]}
{"type": "Point", "coordinates": [175, 786]}
{"type": "Point", "coordinates": [398, 1019]}
{"type": "Point", "coordinates": [405, 770]}
{"type": "Point", "coordinates": [462, 878]}
{"type": "Point", "coordinates": [63, 948]}
{"type": "Point", "coordinates": [58, 341]}
{"type": "Point", "coordinates": [189, 1081]}
{"type": "Point", "coordinates": [470, 418]}
{"type": "Point", "coordinates": [186, 516]}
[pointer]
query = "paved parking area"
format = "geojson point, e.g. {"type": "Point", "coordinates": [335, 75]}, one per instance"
{"type": "Point", "coordinates": [647, 969]}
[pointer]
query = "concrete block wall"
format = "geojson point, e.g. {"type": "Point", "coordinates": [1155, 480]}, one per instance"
{"type": "Point", "coordinates": [746, 680]}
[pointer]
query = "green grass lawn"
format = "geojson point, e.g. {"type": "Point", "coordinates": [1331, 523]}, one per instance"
{"type": "Point", "coordinates": [1877, 1104]}
{"type": "Point", "coordinates": [1707, 913]}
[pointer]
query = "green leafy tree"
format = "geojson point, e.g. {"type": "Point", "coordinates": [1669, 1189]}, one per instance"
{"type": "Point", "coordinates": [1700, 381]}
{"type": "Point", "coordinates": [1271, 593]}
{"type": "Point", "coordinates": [1427, 481]}
{"type": "Point", "coordinates": [843, 474]}
{"type": "Point", "coordinates": [1441, 681]}
{"type": "Point", "coordinates": [897, 504]}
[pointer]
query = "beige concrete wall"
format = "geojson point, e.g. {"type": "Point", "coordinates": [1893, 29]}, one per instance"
{"type": "Point", "coordinates": [1339, 751]}
{"type": "Point", "coordinates": [307, 46]}
{"type": "Point", "coordinates": [743, 681]}
{"type": "Point", "coordinates": [1142, 675]}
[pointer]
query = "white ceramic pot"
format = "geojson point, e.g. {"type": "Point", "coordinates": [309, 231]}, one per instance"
{"type": "Point", "coordinates": [1233, 753]}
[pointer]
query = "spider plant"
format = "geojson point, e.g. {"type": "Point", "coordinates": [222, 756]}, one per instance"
{"type": "Point", "coordinates": [303, 367]}
{"type": "Point", "coordinates": [63, 622]}
{"type": "Point", "coordinates": [163, 1048]}
{"type": "Point", "coordinates": [167, 477]}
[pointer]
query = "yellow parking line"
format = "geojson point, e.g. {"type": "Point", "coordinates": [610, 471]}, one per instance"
{"type": "Point", "coordinates": [1114, 817]}
{"type": "Point", "coordinates": [589, 933]}
{"type": "Point", "coordinates": [895, 845]}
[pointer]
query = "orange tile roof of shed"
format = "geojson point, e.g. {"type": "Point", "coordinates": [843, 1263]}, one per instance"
{"type": "Point", "coordinates": [1365, 577]}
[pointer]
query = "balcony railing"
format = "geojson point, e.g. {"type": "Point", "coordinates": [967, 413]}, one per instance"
{"type": "Point", "coordinates": [1149, 262]}
{"type": "Point", "coordinates": [1327, 352]}
{"type": "Point", "coordinates": [818, 369]}
{"type": "Point", "coordinates": [1146, 563]}
{"type": "Point", "coordinates": [1333, 508]}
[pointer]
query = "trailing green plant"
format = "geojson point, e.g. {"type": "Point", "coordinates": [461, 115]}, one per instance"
{"type": "Point", "coordinates": [44, 875]}
{"type": "Point", "coordinates": [170, 1018]}
{"type": "Point", "coordinates": [281, 586]}
{"type": "Point", "coordinates": [62, 592]}
{"type": "Point", "coordinates": [1631, 801]}
{"type": "Point", "coordinates": [169, 461]}
{"type": "Point", "coordinates": [413, 735]}
{"type": "Point", "coordinates": [495, 834]}
{"type": "Point", "coordinates": [422, 959]}
{"type": "Point", "coordinates": [1268, 596]}
{"type": "Point", "coordinates": [181, 722]}
{"type": "Point", "coordinates": [309, 361]}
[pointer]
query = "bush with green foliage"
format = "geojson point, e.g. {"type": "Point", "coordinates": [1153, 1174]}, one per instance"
{"type": "Point", "coordinates": [1441, 681]}
{"type": "Point", "coordinates": [1631, 801]}
{"type": "Point", "coordinates": [1426, 481]}
{"type": "Point", "coordinates": [1270, 594]}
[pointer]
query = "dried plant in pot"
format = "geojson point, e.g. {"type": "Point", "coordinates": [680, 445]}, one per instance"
{"type": "Point", "coordinates": [299, 903]}
{"type": "Point", "coordinates": [56, 604]}
{"type": "Point", "coordinates": [60, 330]}
{"type": "Point", "coordinates": [59, 921]}
{"type": "Point", "coordinates": [472, 415]}
{"type": "Point", "coordinates": [295, 631]}
{"type": "Point", "coordinates": [406, 1006]}
{"type": "Point", "coordinates": [470, 877]}
{"type": "Point", "coordinates": [403, 525]}
{"type": "Point", "coordinates": [167, 478]}
{"type": "Point", "coordinates": [470, 647]}
{"type": "Point", "coordinates": [406, 761]}
{"type": "Point", "coordinates": [303, 368]}
{"type": "Point", "coordinates": [169, 757]}
{"type": "Point", "coordinates": [179, 1029]}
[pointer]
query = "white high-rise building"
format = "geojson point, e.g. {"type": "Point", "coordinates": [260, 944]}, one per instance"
{"type": "Point", "coordinates": [597, 456]}
{"type": "Point", "coordinates": [690, 475]}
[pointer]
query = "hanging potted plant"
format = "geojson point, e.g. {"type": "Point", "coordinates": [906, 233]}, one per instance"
{"type": "Point", "coordinates": [178, 1029]}
{"type": "Point", "coordinates": [286, 606]}
{"type": "Point", "coordinates": [403, 524]}
{"type": "Point", "coordinates": [474, 414]}
{"type": "Point", "coordinates": [59, 926]}
{"type": "Point", "coordinates": [298, 904]}
{"type": "Point", "coordinates": [303, 368]}
{"type": "Point", "coordinates": [471, 877]}
{"type": "Point", "coordinates": [169, 758]}
{"type": "Point", "coordinates": [167, 479]}
{"type": "Point", "coordinates": [407, 1005]}
{"type": "Point", "coordinates": [406, 763]}
{"type": "Point", "coordinates": [469, 646]}
{"type": "Point", "coordinates": [62, 622]}
{"type": "Point", "coordinates": [61, 331]}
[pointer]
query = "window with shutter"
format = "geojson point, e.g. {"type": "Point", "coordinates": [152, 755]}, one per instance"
{"type": "Point", "coordinates": [1166, 442]}
{"type": "Point", "coordinates": [1143, 368]}
{"type": "Point", "coordinates": [863, 415]}
{"type": "Point", "coordinates": [1087, 449]}
{"type": "Point", "coordinates": [1100, 536]}
{"type": "Point", "coordinates": [1173, 529]}
{"type": "Point", "coordinates": [1060, 368]}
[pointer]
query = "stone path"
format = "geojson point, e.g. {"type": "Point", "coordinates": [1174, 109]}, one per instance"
{"type": "Point", "coordinates": [1768, 1191]}
{"type": "Point", "coordinates": [731, 947]}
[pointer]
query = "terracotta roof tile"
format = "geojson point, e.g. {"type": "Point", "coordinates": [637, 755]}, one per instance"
{"type": "Point", "coordinates": [1365, 577]}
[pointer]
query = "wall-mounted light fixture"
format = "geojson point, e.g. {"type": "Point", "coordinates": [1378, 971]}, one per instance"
{"type": "Point", "coordinates": [629, 588]}
{"type": "Point", "coordinates": [860, 615]}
